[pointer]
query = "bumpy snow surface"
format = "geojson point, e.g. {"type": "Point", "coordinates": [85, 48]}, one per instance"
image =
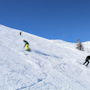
{"type": "Point", "coordinates": [51, 64]}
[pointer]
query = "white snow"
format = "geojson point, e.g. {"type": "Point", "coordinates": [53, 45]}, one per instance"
{"type": "Point", "coordinates": [51, 65]}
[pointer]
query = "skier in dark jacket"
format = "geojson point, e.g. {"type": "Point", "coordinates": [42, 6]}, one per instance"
{"type": "Point", "coordinates": [26, 46]}
{"type": "Point", "coordinates": [20, 33]}
{"type": "Point", "coordinates": [87, 61]}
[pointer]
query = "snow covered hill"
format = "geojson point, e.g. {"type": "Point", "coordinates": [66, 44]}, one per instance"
{"type": "Point", "coordinates": [51, 65]}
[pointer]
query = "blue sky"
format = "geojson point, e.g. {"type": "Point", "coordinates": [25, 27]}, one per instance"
{"type": "Point", "coordinates": [53, 19]}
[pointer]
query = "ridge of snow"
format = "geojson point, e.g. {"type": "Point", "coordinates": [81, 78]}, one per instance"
{"type": "Point", "coordinates": [51, 65]}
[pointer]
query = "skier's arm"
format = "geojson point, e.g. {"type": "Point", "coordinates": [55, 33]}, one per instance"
{"type": "Point", "coordinates": [24, 45]}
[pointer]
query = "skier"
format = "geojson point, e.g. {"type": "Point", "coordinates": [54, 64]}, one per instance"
{"type": "Point", "coordinates": [20, 33]}
{"type": "Point", "coordinates": [87, 61]}
{"type": "Point", "coordinates": [26, 46]}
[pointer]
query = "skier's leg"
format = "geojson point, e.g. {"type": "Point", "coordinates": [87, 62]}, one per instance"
{"type": "Point", "coordinates": [84, 62]}
{"type": "Point", "coordinates": [28, 49]}
{"type": "Point", "coordinates": [87, 63]}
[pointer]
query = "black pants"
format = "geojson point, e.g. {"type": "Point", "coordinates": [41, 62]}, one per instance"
{"type": "Point", "coordinates": [86, 62]}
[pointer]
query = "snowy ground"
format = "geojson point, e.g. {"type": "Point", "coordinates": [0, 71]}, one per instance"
{"type": "Point", "coordinates": [51, 65]}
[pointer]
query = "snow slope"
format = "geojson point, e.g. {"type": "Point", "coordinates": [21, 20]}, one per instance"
{"type": "Point", "coordinates": [51, 65]}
